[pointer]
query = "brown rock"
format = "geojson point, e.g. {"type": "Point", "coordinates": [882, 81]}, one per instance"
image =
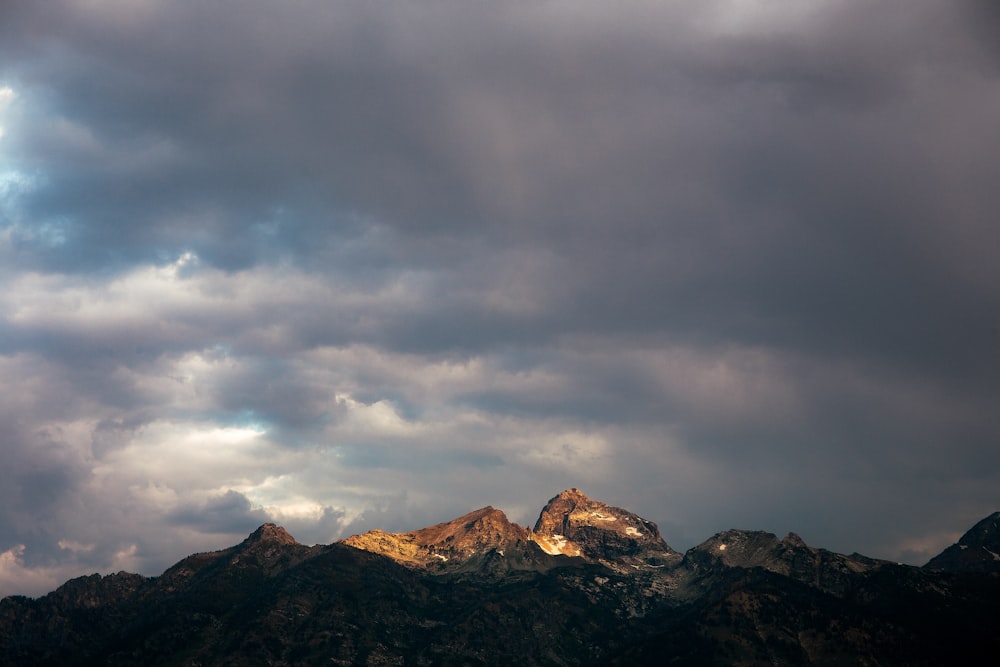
{"type": "Point", "coordinates": [575, 525]}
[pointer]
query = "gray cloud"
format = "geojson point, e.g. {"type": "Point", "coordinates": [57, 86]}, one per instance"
{"type": "Point", "coordinates": [229, 512]}
{"type": "Point", "coordinates": [332, 264]}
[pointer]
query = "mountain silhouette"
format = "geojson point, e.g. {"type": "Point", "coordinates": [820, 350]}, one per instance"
{"type": "Point", "coordinates": [589, 584]}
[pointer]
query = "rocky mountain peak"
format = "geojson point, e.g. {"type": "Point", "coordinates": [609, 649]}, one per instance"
{"type": "Point", "coordinates": [790, 557]}
{"type": "Point", "coordinates": [793, 540]}
{"type": "Point", "coordinates": [978, 550]}
{"type": "Point", "coordinates": [741, 548]}
{"type": "Point", "coordinates": [986, 532]}
{"type": "Point", "coordinates": [573, 524]}
{"type": "Point", "coordinates": [270, 548]}
{"type": "Point", "coordinates": [484, 528]}
{"type": "Point", "coordinates": [270, 533]}
{"type": "Point", "coordinates": [446, 545]}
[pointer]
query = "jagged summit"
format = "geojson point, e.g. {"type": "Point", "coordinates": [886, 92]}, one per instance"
{"type": "Point", "coordinates": [793, 540]}
{"type": "Point", "coordinates": [573, 524]}
{"type": "Point", "coordinates": [790, 557]}
{"type": "Point", "coordinates": [486, 527]}
{"type": "Point", "coordinates": [570, 524]}
{"type": "Point", "coordinates": [270, 532]}
{"type": "Point", "coordinates": [478, 590]}
{"type": "Point", "coordinates": [743, 548]}
{"type": "Point", "coordinates": [978, 550]}
{"type": "Point", "coordinates": [269, 548]}
{"type": "Point", "coordinates": [447, 545]}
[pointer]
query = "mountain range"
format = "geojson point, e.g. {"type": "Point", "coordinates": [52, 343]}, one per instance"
{"type": "Point", "coordinates": [589, 584]}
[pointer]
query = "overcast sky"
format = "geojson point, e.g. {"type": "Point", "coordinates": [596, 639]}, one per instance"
{"type": "Point", "coordinates": [347, 265]}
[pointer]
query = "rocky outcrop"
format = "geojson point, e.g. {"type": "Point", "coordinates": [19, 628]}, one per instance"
{"type": "Point", "coordinates": [790, 557]}
{"type": "Point", "coordinates": [269, 550]}
{"type": "Point", "coordinates": [575, 525]}
{"type": "Point", "coordinates": [481, 541]}
{"type": "Point", "coordinates": [977, 551]}
{"type": "Point", "coordinates": [571, 525]}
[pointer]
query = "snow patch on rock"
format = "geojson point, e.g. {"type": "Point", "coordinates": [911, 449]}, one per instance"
{"type": "Point", "coordinates": [556, 545]}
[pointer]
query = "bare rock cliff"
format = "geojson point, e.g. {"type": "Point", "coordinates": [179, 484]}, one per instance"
{"type": "Point", "coordinates": [575, 525]}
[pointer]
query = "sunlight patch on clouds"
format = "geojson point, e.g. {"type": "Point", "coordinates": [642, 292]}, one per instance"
{"type": "Point", "coordinates": [182, 382]}
{"type": "Point", "coordinates": [282, 498]}
{"type": "Point", "coordinates": [74, 546]}
{"type": "Point", "coordinates": [188, 456]}
{"type": "Point", "coordinates": [185, 259]}
{"type": "Point", "coordinates": [7, 96]}
{"type": "Point", "coordinates": [231, 436]}
{"type": "Point", "coordinates": [182, 301]}
{"type": "Point", "coordinates": [126, 559]}
{"type": "Point", "coordinates": [14, 181]}
{"type": "Point", "coordinates": [290, 510]}
{"type": "Point", "coordinates": [52, 301]}
{"type": "Point", "coordinates": [435, 382]}
{"type": "Point", "coordinates": [15, 575]}
{"type": "Point", "coordinates": [155, 494]}
{"type": "Point", "coordinates": [371, 420]}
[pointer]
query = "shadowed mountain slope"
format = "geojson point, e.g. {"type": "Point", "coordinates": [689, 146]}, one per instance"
{"type": "Point", "coordinates": [977, 551]}
{"type": "Point", "coordinates": [479, 590]}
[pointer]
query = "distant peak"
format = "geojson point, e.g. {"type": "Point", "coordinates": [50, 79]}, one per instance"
{"type": "Point", "coordinates": [488, 519]}
{"type": "Point", "coordinates": [572, 494]}
{"type": "Point", "coordinates": [793, 540]}
{"type": "Point", "coordinates": [562, 505]}
{"type": "Point", "coordinates": [449, 544]}
{"type": "Point", "coordinates": [573, 524]}
{"type": "Point", "coordinates": [270, 532]}
{"type": "Point", "coordinates": [986, 533]}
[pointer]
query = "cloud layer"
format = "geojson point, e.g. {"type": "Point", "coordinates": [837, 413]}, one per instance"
{"type": "Point", "coordinates": [351, 265]}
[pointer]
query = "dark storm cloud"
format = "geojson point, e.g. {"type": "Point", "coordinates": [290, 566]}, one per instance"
{"type": "Point", "coordinates": [230, 512]}
{"type": "Point", "coordinates": [283, 243]}
{"type": "Point", "coordinates": [38, 476]}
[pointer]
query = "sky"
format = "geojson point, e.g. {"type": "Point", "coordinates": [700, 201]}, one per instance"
{"type": "Point", "coordinates": [347, 265]}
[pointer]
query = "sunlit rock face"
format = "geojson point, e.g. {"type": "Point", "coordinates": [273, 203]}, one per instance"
{"type": "Point", "coordinates": [570, 526]}
{"type": "Point", "coordinates": [484, 537]}
{"type": "Point", "coordinates": [575, 525]}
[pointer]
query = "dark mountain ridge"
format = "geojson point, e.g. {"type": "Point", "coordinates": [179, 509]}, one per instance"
{"type": "Point", "coordinates": [977, 551]}
{"type": "Point", "coordinates": [590, 584]}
